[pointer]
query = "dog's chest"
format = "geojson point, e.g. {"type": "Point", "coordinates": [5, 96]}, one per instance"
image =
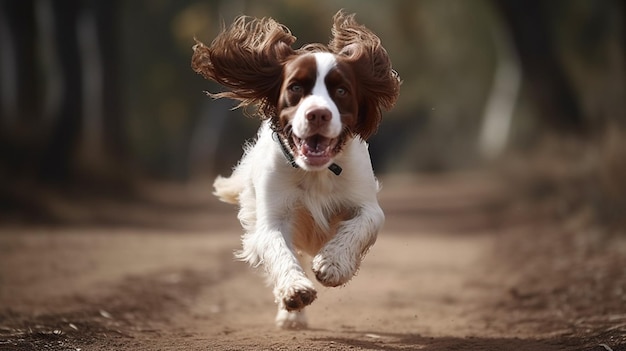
{"type": "Point", "coordinates": [317, 214]}
{"type": "Point", "coordinates": [323, 189]}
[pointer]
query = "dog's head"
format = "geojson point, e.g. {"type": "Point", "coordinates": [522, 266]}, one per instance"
{"type": "Point", "coordinates": [316, 97]}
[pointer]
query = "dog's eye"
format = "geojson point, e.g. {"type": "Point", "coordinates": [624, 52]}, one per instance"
{"type": "Point", "coordinates": [341, 92]}
{"type": "Point", "coordinates": [296, 88]}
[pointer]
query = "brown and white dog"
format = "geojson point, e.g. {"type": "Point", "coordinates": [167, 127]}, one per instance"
{"type": "Point", "coordinates": [306, 185]}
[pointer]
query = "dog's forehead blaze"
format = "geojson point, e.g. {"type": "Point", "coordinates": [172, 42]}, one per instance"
{"type": "Point", "coordinates": [310, 70]}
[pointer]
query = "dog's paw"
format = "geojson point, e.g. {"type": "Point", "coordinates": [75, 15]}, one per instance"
{"type": "Point", "coordinates": [334, 269]}
{"type": "Point", "coordinates": [291, 320]}
{"type": "Point", "coordinates": [296, 296]}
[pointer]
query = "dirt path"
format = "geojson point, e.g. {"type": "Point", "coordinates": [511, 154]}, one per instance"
{"type": "Point", "coordinates": [450, 271]}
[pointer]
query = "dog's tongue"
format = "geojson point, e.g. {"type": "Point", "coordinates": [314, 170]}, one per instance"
{"type": "Point", "coordinates": [317, 150]}
{"type": "Point", "coordinates": [316, 144]}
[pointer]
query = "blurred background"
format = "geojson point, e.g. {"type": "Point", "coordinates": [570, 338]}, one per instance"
{"type": "Point", "coordinates": [98, 95]}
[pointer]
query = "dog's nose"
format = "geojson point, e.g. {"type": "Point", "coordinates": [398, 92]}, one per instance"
{"type": "Point", "coordinates": [318, 115]}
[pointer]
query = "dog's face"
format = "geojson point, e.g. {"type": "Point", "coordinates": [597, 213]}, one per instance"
{"type": "Point", "coordinates": [317, 109]}
{"type": "Point", "coordinates": [316, 97]}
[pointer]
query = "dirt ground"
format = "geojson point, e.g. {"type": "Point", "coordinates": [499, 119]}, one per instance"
{"type": "Point", "coordinates": [458, 266]}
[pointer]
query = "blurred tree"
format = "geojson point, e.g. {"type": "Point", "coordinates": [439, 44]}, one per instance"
{"type": "Point", "coordinates": [58, 151]}
{"type": "Point", "coordinates": [20, 89]}
{"type": "Point", "coordinates": [556, 101]}
{"type": "Point", "coordinates": [108, 37]}
{"type": "Point", "coordinates": [60, 65]}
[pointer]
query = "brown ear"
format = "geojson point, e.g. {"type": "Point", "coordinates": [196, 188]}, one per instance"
{"type": "Point", "coordinates": [379, 84]}
{"type": "Point", "coordinates": [247, 58]}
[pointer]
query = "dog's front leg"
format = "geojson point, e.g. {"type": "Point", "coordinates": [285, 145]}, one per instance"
{"type": "Point", "coordinates": [269, 248]}
{"type": "Point", "coordinates": [269, 244]}
{"type": "Point", "coordinates": [339, 260]}
{"type": "Point", "coordinates": [292, 289]}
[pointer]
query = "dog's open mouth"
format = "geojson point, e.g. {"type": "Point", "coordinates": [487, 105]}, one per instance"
{"type": "Point", "coordinates": [317, 150]}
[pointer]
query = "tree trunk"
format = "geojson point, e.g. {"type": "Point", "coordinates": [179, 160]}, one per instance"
{"type": "Point", "coordinates": [58, 156]}
{"type": "Point", "coordinates": [549, 85]}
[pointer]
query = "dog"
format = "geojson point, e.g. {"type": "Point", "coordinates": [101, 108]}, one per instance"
{"type": "Point", "coordinates": [306, 185]}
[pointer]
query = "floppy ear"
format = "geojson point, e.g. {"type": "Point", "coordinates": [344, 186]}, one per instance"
{"type": "Point", "coordinates": [378, 83]}
{"type": "Point", "coordinates": [247, 58]}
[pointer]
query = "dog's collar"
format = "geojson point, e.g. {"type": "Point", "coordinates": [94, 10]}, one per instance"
{"type": "Point", "coordinates": [335, 168]}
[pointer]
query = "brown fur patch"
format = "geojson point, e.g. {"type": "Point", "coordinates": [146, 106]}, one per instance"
{"type": "Point", "coordinates": [308, 236]}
